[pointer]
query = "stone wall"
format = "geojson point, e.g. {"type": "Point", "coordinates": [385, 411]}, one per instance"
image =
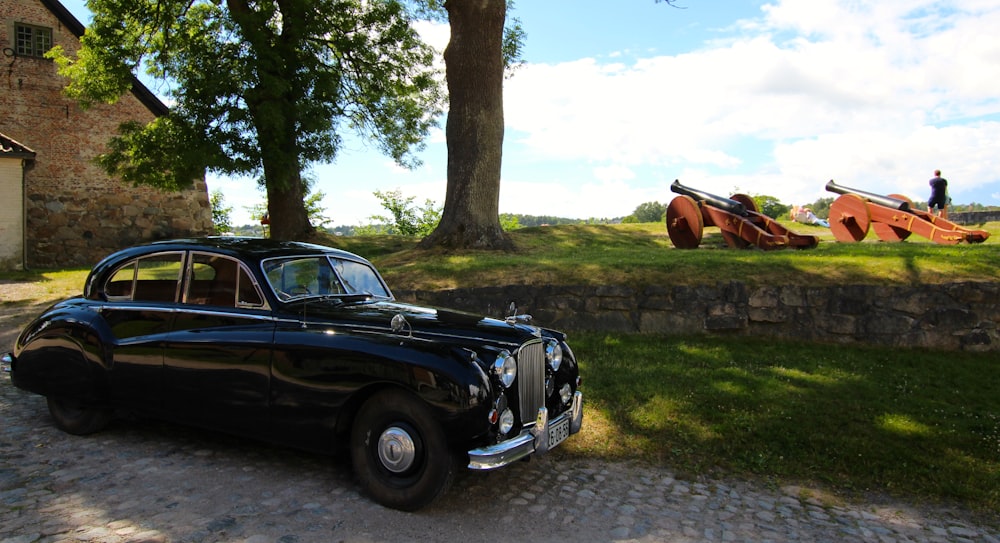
{"type": "Point", "coordinates": [972, 217]}
{"type": "Point", "coordinates": [75, 213]}
{"type": "Point", "coordinates": [957, 316]}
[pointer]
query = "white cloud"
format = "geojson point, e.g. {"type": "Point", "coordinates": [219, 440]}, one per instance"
{"type": "Point", "coordinates": [606, 199]}
{"type": "Point", "coordinates": [613, 173]}
{"type": "Point", "coordinates": [876, 95]}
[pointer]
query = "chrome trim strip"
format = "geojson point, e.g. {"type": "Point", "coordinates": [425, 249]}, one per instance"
{"type": "Point", "coordinates": [190, 309]}
{"type": "Point", "coordinates": [528, 441]}
{"type": "Point", "coordinates": [132, 307]}
{"type": "Point", "coordinates": [418, 333]}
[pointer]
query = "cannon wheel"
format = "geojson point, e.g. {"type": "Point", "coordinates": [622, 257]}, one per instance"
{"type": "Point", "coordinates": [849, 218]}
{"type": "Point", "coordinates": [685, 224]}
{"type": "Point", "coordinates": [887, 232]}
{"type": "Point", "coordinates": [746, 201]}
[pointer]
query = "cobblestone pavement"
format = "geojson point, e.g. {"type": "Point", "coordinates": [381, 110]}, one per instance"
{"type": "Point", "coordinates": [142, 481]}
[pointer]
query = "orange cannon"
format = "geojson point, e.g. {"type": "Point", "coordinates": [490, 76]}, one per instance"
{"type": "Point", "coordinates": [737, 217]}
{"type": "Point", "coordinates": [892, 217]}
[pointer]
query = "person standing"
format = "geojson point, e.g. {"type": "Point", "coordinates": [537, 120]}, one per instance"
{"type": "Point", "coordinates": [939, 195]}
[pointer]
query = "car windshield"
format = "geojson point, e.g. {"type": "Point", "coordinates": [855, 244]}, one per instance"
{"type": "Point", "coordinates": [307, 276]}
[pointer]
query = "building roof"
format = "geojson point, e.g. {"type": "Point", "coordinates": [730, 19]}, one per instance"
{"type": "Point", "coordinates": [10, 148]}
{"type": "Point", "coordinates": [140, 91]}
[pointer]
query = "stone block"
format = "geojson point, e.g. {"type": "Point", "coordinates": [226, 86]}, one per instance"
{"type": "Point", "coordinates": [764, 298]}
{"type": "Point", "coordinates": [767, 314]}
{"type": "Point", "coordinates": [719, 323]}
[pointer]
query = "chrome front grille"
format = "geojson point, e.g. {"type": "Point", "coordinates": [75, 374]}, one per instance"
{"type": "Point", "coordinates": [531, 379]}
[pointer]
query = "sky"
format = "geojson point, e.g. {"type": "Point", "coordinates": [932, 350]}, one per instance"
{"type": "Point", "coordinates": [761, 97]}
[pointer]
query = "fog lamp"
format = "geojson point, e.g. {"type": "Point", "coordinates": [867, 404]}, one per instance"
{"type": "Point", "coordinates": [506, 421]}
{"type": "Point", "coordinates": [566, 394]}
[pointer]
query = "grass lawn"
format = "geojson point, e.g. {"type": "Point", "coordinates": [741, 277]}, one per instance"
{"type": "Point", "coordinates": [856, 419]}
{"type": "Point", "coordinates": [853, 419]}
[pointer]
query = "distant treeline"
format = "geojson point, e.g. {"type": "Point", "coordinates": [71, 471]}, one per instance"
{"type": "Point", "coordinates": [523, 221]}
{"type": "Point", "coordinates": [647, 212]}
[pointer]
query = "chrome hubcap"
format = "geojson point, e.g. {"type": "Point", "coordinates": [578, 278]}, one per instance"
{"type": "Point", "coordinates": [396, 449]}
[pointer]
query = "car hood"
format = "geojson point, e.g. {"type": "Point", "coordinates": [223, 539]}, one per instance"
{"type": "Point", "coordinates": [420, 321]}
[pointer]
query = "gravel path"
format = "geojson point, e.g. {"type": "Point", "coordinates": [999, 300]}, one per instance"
{"type": "Point", "coordinates": [143, 481]}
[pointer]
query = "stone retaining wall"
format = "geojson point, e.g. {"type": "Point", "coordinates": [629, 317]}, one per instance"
{"type": "Point", "coordinates": [956, 316]}
{"type": "Point", "coordinates": [972, 217]}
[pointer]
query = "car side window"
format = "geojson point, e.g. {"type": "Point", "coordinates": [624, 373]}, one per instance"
{"type": "Point", "coordinates": [119, 287]}
{"type": "Point", "coordinates": [249, 293]}
{"type": "Point", "coordinates": [222, 281]}
{"type": "Point", "coordinates": [154, 278]}
{"type": "Point", "coordinates": [157, 278]}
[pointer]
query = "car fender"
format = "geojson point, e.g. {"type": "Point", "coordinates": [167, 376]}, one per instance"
{"type": "Point", "coordinates": [337, 372]}
{"type": "Point", "coordinates": [59, 354]}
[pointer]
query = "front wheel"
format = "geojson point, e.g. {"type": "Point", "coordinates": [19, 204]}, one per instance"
{"type": "Point", "coordinates": [399, 452]}
{"type": "Point", "coordinates": [76, 418]}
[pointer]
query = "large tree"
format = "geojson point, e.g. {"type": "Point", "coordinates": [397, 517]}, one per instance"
{"type": "Point", "coordinates": [474, 64]}
{"type": "Point", "coordinates": [481, 48]}
{"type": "Point", "coordinates": [259, 88]}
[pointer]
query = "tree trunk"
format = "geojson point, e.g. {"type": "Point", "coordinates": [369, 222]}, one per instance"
{"type": "Point", "coordinates": [286, 209]}
{"type": "Point", "coordinates": [474, 70]}
{"type": "Point", "coordinates": [272, 106]}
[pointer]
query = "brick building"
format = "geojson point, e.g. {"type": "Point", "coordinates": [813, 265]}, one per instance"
{"type": "Point", "coordinates": [58, 208]}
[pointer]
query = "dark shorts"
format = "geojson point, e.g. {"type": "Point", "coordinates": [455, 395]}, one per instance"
{"type": "Point", "coordinates": [937, 202]}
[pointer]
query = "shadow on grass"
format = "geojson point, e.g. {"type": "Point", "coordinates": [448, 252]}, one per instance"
{"type": "Point", "coordinates": [917, 423]}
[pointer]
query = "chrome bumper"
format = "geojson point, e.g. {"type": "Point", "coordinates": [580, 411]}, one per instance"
{"type": "Point", "coordinates": [531, 440]}
{"type": "Point", "coordinates": [6, 361]}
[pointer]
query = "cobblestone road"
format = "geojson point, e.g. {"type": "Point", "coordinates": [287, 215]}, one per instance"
{"type": "Point", "coordinates": [142, 481]}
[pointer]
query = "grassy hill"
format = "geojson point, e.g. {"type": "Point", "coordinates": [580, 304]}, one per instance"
{"type": "Point", "coordinates": [640, 254]}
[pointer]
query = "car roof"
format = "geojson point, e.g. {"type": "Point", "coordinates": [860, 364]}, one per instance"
{"type": "Point", "coordinates": [250, 250]}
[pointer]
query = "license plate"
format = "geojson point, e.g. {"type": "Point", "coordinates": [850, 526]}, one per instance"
{"type": "Point", "coordinates": [558, 432]}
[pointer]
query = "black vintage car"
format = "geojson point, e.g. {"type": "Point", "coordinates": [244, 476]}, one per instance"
{"type": "Point", "coordinates": [302, 345]}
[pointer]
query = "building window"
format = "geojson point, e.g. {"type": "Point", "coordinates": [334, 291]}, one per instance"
{"type": "Point", "coordinates": [32, 41]}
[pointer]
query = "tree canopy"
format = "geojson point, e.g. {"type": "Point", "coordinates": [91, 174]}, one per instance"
{"type": "Point", "coordinates": [260, 89]}
{"type": "Point", "coordinates": [647, 212]}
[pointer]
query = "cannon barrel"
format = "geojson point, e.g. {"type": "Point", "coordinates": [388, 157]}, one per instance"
{"type": "Point", "coordinates": [725, 204]}
{"type": "Point", "coordinates": [879, 199]}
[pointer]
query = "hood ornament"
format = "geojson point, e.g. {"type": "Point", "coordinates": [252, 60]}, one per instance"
{"type": "Point", "coordinates": [513, 318]}
{"type": "Point", "coordinates": [399, 323]}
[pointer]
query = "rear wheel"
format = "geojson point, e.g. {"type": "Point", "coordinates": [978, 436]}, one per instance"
{"type": "Point", "coordinates": [399, 452]}
{"type": "Point", "coordinates": [73, 417]}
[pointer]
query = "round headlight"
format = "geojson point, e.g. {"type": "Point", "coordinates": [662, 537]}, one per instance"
{"type": "Point", "coordinates": [505, 367]}
{"type": "Point", "coordinates": [553, 354]}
